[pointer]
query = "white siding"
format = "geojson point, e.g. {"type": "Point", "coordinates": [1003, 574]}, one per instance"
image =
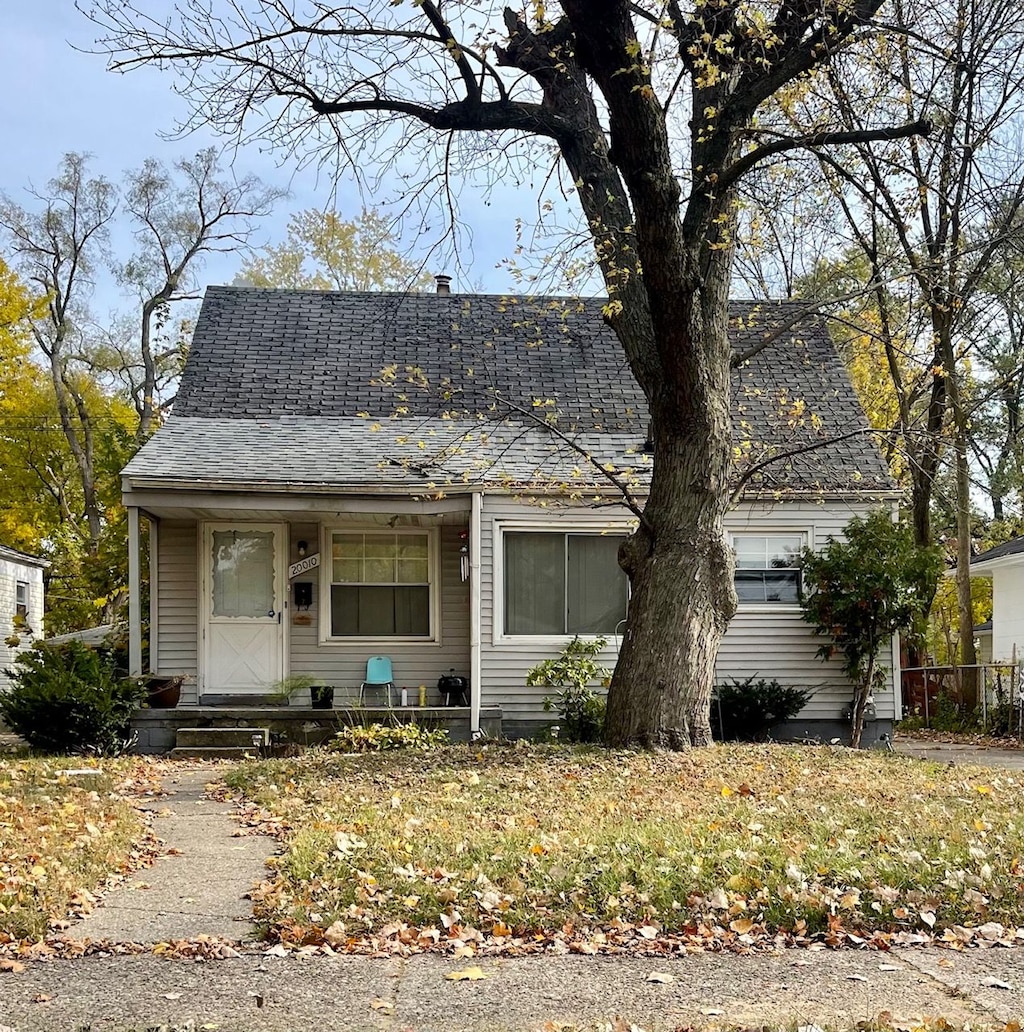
{"type": "Point", "coordinates": [769, 641]}
{"type": "Point", "coordinates": [414, 663]}
{"type": "Point", "coordinates": [178, 603]}
{"type": "Point", "coordinates": [1007, 612]}
{"type": "Point", "coordinates": [10, 573]}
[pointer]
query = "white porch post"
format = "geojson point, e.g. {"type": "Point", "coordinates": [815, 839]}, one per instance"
{"type": "Point", "coordinates": [134, 594]}
{"type": "Point", "coordinates": [475, 519]}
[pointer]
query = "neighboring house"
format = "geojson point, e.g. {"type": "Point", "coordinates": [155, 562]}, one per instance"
{"type": "Point", "coordinates": [1005, 565]}
{"type": "Point", "coordinates": [347, 475]}
{"type": "Point", "coordinates": [21, 604]}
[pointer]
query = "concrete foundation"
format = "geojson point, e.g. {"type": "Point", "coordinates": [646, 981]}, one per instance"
{"type": "Point", "coordinates": [157, 729]}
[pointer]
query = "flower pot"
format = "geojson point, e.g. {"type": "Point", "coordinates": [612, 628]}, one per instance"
{"type": "Point", "coordinates": [164, 692]}
{"type": "Point", "coordinates": [322, 696]}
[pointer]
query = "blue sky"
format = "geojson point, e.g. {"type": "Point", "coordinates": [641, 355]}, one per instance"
{"type": "Point", "coordinates": [58, 99]}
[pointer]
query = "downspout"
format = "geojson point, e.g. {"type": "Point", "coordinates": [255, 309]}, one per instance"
{"type": "Point", "coordinates": [475, 665]}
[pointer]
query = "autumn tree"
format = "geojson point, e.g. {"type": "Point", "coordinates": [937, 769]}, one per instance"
{"type": "Point", "coordinates": [863, 590]}
{"type": "Point", "coordinates": [653, 112]}
{"type": "Point", "coordinates": [938, 214]}
{"type": "Point", "coordinates": [84, 394]}
{"type": "Point", "coordinates": [323, 251]}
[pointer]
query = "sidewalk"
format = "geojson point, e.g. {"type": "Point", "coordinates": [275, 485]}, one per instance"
{"type": "Point", "coordinates": [267, 994]}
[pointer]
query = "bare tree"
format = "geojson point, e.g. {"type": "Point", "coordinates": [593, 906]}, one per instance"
{"type": "Point", "coordinates": [179, 217]}
{"type": "Point", "coordinates": [653, 111]}
{"type": "Point", "coordinates": [59, 248]}
{"type": "Point", "coordinates": [937, 216]}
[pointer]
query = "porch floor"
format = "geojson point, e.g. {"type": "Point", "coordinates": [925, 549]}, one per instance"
{"type": "Point", "coordinates": [301, 725]}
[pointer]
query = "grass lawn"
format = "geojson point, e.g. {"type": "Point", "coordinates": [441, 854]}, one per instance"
{"type": "Point", "coordinates": [61, 835]}
{"type": "Point", "coordinates": [729, 842]}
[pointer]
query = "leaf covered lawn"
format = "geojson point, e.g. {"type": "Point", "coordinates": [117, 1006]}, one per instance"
{"type": "Point", "coordinates": [62, 835]}
{"type": "Point", "coordinates": [505, 844]}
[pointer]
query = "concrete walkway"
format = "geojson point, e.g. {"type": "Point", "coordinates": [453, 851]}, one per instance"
{"type": "Point", "coordinates": [200, 889]}
{"type": "Point", "coordinates": [955, 752]}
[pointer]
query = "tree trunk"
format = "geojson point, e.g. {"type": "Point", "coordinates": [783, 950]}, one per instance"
{"type": "Point", "coordinates": [861, 695]}
{"type": "Point", "coordinates": [679, 561]}
{"type": "Point", "coordinates": [965, 605]}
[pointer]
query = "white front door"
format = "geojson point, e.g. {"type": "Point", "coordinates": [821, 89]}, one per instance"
{"type": "Point", "coordinates": [244, 586]}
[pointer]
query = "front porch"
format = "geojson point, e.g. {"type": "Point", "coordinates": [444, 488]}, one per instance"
{"type": "Point", "coordinates": [301, 726]}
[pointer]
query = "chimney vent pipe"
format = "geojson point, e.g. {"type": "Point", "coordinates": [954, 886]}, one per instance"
{"type": "Point", "coordinates": [444, 283]}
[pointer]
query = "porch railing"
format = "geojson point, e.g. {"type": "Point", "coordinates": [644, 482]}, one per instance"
{"type": "Point", "coordinates": [997, 687]}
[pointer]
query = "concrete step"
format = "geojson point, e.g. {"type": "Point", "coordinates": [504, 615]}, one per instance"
{"type": "Point", "coordinates": [212, 752]}
{"type": "Point", "coordinates": [222, 737]}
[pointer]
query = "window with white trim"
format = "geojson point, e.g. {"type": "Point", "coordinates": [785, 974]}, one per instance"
{"type": "Point", "coordinates": [563, 583]}
{"type": "Point", "coordinates": [381, 584]}
{"type": "Point", "coordinates": [21, 599]}
{"type": "Point", "coordinates": [768, 567]}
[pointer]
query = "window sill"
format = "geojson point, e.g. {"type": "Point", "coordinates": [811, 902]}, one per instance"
{"type": "Point", "coordinates": [769, 607]}
{"type": "Point", "coordinates": [554, 641]}
{"type": "Point", "coordinates": [377, 644]}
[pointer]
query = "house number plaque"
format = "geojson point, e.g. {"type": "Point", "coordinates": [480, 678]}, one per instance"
{"type": "Point", "coordinates": [311, 562]}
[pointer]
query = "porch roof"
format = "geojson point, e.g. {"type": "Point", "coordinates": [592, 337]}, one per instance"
{"type": "Point", "coordinates": [429, 456]}
{"type": "Point", "coordinates": [356, 454]}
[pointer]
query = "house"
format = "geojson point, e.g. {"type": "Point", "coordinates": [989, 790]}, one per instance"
{"type": "Point", "coordinates": [352, 474]}
{"type": "Point", "coordinates": [21, 604]}
{"type": "Point", "coordinates": [1002, 640]}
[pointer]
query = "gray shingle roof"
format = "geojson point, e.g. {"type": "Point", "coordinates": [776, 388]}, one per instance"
{"type": "Point", "coordinates": [267, 365]}
{"type": "Point", "coordinates": [1015, 546]}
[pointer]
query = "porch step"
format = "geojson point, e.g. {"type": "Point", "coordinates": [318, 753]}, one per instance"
{"type": "Point", "coordinates": [212, 752]}
{"type": "Point", "coordinates": [248, 739]}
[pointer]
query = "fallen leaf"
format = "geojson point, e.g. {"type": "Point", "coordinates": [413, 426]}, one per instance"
{"type": "Point", "coordinates": [928, 917]}
{"type": "Point", "coordinates": [42, 998]}
{"type": "Point", "coordinates": [995, 983]}
{"type": "Point", "coordinates": [14, 966]}
{"type": "Point", "coordinates": [659, 976]}
{"type": "Point", "coordinates": [171, 996]}
{"type": "Point", "coordinates": [855, 978]}
{"type": "Point", "coordinates": [712, 1012]}
{"type": "Point", "coordinates": [384, 1006]}
{"type": "Point", "coordinates": [741, 925]}
{"type": "Point", "coordinates": [276, 951]}
{"type": "Point", "coordinates": [888, 967]}
{"type": "Point", "coordinates": [649, 932]}
{"type": "Point", "coordinates": [470, 974]}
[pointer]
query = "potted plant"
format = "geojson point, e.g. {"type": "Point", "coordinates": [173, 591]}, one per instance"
{"type": "Point", "coordinates": [163, 692]}
{"type": "Point", "coordinates": [322, 696]}
{"type": "Point", "coordinates": [283, 690]}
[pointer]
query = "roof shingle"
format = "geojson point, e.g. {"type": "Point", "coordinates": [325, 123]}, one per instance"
{"type": "Point", "coordinates": [267, 364]}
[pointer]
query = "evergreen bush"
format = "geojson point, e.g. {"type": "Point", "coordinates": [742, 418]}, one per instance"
{"type": "Point", "coordinates": [745, 711]}
{"type": "Point", "coordinates": [71, 699]}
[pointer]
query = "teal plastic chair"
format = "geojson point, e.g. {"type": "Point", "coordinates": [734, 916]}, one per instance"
{"type": "Point", "coordinates": [378, 675]}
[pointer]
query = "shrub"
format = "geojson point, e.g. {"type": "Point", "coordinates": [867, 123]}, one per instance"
{"type": "Point", "coordinates": [749, 709]}
{"type": "Point", "coordinates": [573, 671]}
{"type": "Point", "coordinates": [71, 699]}
{"type": "Point", "coordinates": [363, 738]}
